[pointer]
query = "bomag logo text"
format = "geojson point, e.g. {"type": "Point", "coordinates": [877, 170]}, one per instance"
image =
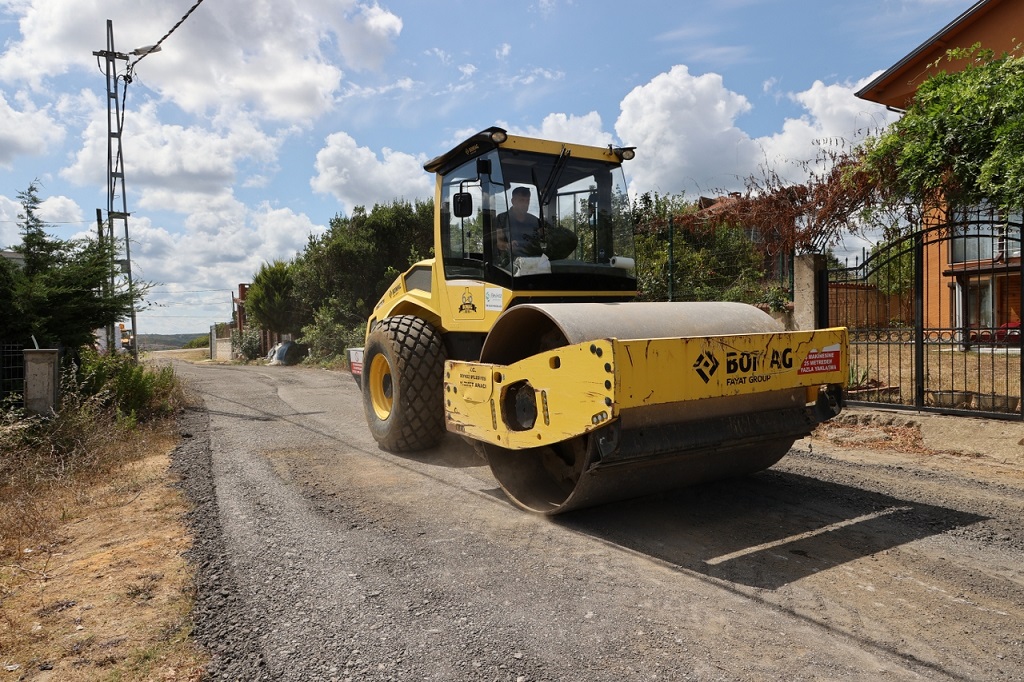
{"type": "Point", "coordinates": [756, 366]}
{"type": "Point", "coordinates": [748, 362]}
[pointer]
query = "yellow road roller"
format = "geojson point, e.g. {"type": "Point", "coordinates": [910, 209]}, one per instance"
{"type": "Point", "coordinates": [522, 335]}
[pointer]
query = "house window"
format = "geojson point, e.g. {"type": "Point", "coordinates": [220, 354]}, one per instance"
{"type": "Point", "coordinates": [985, 233]}
{"type": "Point", "coordinates": [1010, 243]}
{"type": "Point", "coordinates": [978, 306]}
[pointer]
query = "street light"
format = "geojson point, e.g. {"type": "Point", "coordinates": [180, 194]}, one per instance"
{"type": "Point", "coordinates": [143, 51]}
{"type": "Point", "coordinates": [115, 164]}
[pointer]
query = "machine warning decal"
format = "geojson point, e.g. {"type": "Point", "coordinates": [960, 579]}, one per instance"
{"type": "Point", "coordinates": [467, 302]}
{"type": "Point", "coordinates": [825, 360]}
{"type": "Point", "coordinates": [706, 365]}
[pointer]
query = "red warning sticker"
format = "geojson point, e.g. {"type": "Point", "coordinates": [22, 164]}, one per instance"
{"type": "Point", "coordinates": [825, 360]}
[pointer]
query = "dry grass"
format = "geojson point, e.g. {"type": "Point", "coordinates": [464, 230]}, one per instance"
{"type": "Point", "coordinates": [903, 438]}
{"type": "Point", "coordinates": [95, 586]}
{"type": "Point", "coordinates": [93, 580]}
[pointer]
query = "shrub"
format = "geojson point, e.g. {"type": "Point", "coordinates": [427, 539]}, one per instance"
{"type": "Point", "coordinates": [198, 342]}
{"type": "Point", "coordinates": [134, 391]}
{"type": "Point", "coordinates": [246, 344]}
{"type": "Point", "coordinates": [776, 298]}
{"type": "Point", "coordinates": [327, 338]}
{"type": "Point", "coordinates": [105, 401]}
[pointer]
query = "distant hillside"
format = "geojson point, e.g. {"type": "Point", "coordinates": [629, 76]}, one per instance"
{"type": "Point", "coordinates": [166, 341]}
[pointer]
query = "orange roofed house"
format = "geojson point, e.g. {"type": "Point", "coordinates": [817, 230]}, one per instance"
{"type": "Point", "coordinates": [973, 278]}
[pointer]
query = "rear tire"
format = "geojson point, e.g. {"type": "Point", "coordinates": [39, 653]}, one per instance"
{"type": "Point", "coordinates": [403, 384]}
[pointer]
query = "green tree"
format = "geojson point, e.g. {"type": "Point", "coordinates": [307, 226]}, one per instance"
{"type": "Point", "coordinates": [711, 262]}
{"type": "Point", "coordinates": [64, 291]}
{"type": "Point", "coordinates": [271, 300]}
{"type": "Point", "coordinates": [342, 273]}
{"type": "Point", "coordinates": [961, 141]}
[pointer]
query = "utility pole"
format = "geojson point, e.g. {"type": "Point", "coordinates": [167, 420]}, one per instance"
{"type": "Point", "coordinates": [108, 283]}
{"type": "Point", "coordinates": [117, 211]}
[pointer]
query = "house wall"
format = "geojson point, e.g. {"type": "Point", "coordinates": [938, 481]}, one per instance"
{"type": "Point", "coordinates": [995, 24]}
{"type": "Point", "coordinates": [939, 294]}
{"type": "Point", "coordinates": [863, 306]}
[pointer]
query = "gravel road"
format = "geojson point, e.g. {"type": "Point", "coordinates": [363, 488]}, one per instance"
{"type": "Point", "coordinates": [321, 557]}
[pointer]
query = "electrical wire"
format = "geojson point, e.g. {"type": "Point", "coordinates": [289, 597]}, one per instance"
{"type": "Point", "coordinates": [192, 9]}
{"type": "Point", "coordinates": [129, 72]}
{"type": "Point", "coordinates": [197, 291]}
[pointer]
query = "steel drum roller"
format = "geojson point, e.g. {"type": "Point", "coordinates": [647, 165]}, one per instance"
{"type": "Point", "coordinates": [650, 449]}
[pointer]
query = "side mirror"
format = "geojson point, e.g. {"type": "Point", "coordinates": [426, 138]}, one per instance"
{"type": "Point", "coordinates": [462, 204]}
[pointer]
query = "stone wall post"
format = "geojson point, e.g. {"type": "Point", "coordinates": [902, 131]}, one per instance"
{"type": "Point", "coordinates": [808, 270]}
{"type": "Point", "coordinates": [42, 380]}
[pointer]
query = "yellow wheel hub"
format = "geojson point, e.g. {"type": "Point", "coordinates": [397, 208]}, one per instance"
{"type": "Point", "coordinates": [381, 387]}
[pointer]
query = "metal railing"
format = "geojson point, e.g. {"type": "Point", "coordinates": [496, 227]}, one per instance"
{"type": "Point", "coordinates": [12, 373]}
{"type": "Point", "coordinates": [934, 320]}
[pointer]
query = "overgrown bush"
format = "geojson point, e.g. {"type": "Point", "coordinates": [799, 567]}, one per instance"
{"type": "Point", "coordinates": [101, 422]}
{"type": "Point", "coordinates": [246, 344]}
{"type": "Point", "coordinates": [327, 338]}
{"type": "Point", "coordinates": [134, 391]}
{"type": "Point", "coordinates": [776, 298]}
{"type": "Point", "coordinates": [198, 342]}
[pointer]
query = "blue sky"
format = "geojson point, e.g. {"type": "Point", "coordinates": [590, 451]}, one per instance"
{"type": "Point", "coordinates": [260, 120]}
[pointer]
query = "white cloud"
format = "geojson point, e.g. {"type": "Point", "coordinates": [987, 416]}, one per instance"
{"type": "Point", "coordinates": [834, 120]}
{"type": "Point", "coordinates": [440, 55]}
{"type": "Point", "coordinates": [59, 210]}
{"type": "Point", "coordinates": [688, 138]}
{"type": "Point", "coordinates": [25, 130]}
{"type": "Point", "coordinates": [684, 128]}
{"type": "Point", "coordinates": [9, 233]}
{"type": "Point", "coordinates": [223, 246]}
{"type": "Point", "coordinates": [536, 76]}
{"type": "Point", "coordinates": [586, 129]}
{"type": "Point", "coordinates": [264, 55]}
{"type": "Point", "coordinates": [367, 39]}
{"type": "Point", "coordinates": [357, 177]}
{"type": "Point", "coordinates": [165, 163]}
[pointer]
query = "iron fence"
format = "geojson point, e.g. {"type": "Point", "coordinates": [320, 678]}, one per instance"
{"type": "Point", "coordinates": [935, 318]}
{"type": "Point", "coordinates": [12, 373]}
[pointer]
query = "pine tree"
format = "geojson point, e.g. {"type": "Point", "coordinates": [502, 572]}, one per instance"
{"type": "Point", "coordinates": [63, 293]}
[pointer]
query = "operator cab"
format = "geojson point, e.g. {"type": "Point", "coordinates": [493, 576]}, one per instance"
{"type": "Point", "coordinates": [532, 215]}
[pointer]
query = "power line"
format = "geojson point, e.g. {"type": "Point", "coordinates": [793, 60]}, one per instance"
{"type": "Point", "coordinates": [186, 317]}
{"type": "Point", "coordinates": [159, 305]}
{"type": "Point", "coordinates": [197, 291]}
{"type": "Point", "coordinates": [52, 222]}
{"type": "Point", "coordinates": [166, 36]}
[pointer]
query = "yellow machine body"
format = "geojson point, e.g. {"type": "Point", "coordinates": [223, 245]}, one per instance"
{"type": "Point", "coordinates": [577, 389]}
{"type": "Point", "coordinates": [575, 394]}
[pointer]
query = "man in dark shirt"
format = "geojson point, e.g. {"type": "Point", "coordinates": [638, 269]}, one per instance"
{"type": "Point", "coordinates": [519, 227]}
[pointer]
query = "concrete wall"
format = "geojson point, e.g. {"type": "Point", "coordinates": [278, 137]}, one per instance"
{"type": "Point", "coordinates": [805, 290]}
{"type": "Point", "coordinates": [42, 380]}
{"type": "Point", "coordinates": [220, 349]}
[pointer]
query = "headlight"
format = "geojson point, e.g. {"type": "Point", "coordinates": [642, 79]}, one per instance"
{"type": "Point", "coordinates": [624, 153]}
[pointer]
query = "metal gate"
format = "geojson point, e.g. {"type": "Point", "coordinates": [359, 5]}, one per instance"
{"type": "Point", "coordinates": [12, 374]}
{"type": "Point", "coordinates": [935, 318]}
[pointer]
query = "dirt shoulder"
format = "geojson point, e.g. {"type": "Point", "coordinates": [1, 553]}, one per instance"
{"type": "Point", "coordinates": [110, 597]}
{"type": "Point", "coordinates": [1001, 441]}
